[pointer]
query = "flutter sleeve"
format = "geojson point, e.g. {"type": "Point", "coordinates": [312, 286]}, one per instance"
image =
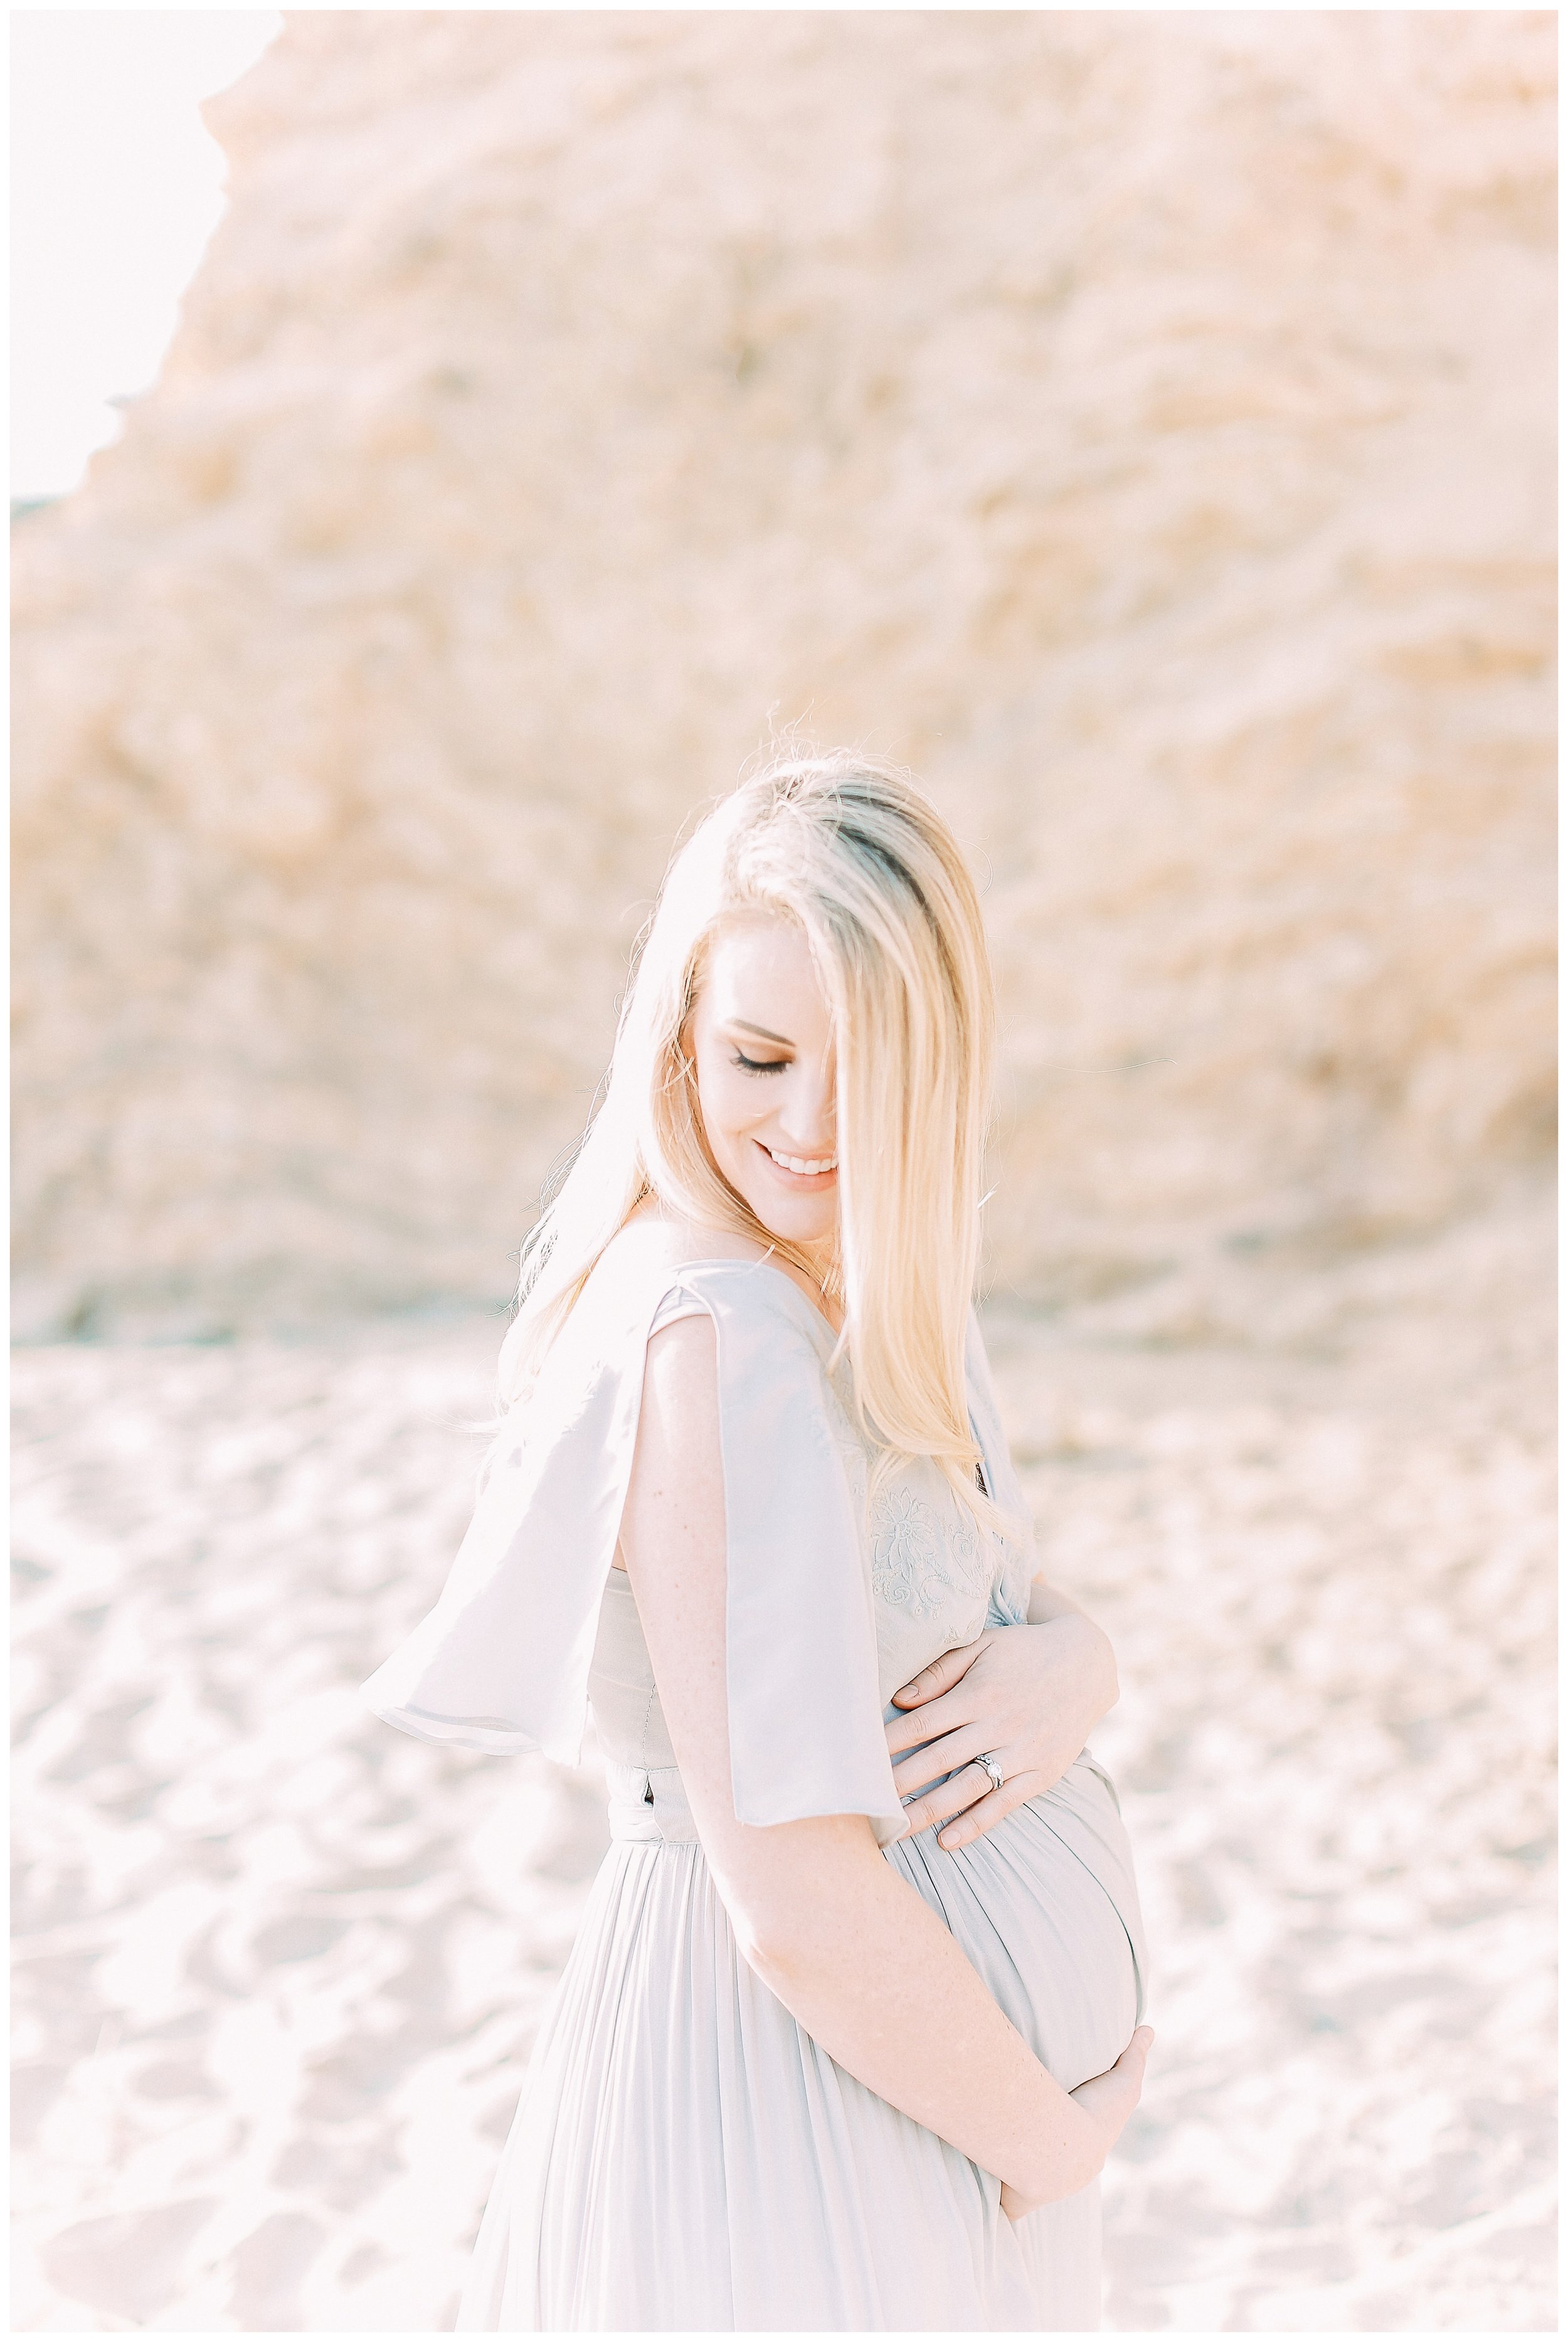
{"type": "Point", "coordinates": [806, 1733]}
{"type": "Point", "coordinates": [502, 1662]}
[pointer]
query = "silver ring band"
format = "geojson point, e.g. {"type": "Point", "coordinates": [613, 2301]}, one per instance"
{"type": "Point", "coordinates": [989, 1765]}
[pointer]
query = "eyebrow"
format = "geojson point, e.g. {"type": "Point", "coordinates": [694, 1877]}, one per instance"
{"type": "Point", "coordinates": [742, 1024]}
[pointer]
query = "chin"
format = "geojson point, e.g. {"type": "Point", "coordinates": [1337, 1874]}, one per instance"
{"type": "Point", "coordinates": [811, 1221]}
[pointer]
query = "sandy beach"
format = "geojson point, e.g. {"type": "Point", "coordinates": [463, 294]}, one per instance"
{"type": "Point", "coordinates": [1141, 424]}
{"type": "Point", "coordinates": [280, 1966]}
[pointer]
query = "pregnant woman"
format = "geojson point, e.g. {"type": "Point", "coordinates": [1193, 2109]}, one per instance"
{"type": "Point", "coordinates": [849, 2026]}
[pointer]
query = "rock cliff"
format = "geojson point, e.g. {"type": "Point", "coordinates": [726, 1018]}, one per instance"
{"type": "Point", "coordinates": [1140, 424]}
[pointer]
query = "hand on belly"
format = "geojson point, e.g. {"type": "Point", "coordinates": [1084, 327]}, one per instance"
{"type": "Point", "coordinates": [1109, 2100]}
{"type": "Point", "coordinates": [1026, 1696]}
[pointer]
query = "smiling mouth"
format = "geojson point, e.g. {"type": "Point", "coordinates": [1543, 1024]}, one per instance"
{"type": "Point", "coordinates": [800, 1167]}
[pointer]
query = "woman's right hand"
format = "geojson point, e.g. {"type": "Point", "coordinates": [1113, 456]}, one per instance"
{"type": "Point", "coordinates": [1108, 2100]}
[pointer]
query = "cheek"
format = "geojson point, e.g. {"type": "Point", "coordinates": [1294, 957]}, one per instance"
{"type": "Point", "coordinates": [727, 1099]}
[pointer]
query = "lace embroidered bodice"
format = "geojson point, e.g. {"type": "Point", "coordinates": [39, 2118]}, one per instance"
{"type": "Point", "coordinates": [935, 1580]}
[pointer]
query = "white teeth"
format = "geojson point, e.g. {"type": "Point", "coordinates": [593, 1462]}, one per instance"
{"type": "Point", "coordinates": [805, 1166]}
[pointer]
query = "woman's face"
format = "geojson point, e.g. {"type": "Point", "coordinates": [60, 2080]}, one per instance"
{"type": "Point", "coordinates": [762, 1038]}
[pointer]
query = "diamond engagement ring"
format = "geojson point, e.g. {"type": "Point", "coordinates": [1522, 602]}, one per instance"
{"type": "Point", "coordinates": [988, 1765]}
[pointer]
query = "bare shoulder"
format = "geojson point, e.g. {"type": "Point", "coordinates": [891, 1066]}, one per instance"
{"type": "Point", "coordinates": [657, 1243]}
{"type": "Point", "coordinates": [681, 1377]}
{"type": "Point", "coordinates": [656, 1237]}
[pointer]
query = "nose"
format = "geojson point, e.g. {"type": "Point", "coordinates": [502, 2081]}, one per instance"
{"type": "Point", "coordinates": [810, 1112]}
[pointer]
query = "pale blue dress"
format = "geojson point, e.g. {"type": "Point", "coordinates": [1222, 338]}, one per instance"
{"type": "Point", "coordinates": [684, 2158]}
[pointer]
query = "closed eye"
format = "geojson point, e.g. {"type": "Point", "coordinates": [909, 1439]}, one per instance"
{"type": "Point", "coordinates": [760, 1064]}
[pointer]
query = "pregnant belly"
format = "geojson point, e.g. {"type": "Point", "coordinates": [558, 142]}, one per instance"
{"type": "Point", "coordinates": [1045, 1906]}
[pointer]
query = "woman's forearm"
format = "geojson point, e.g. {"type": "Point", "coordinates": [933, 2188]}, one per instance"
{"type": "Point", "coordinates": [870, 1972]}
{"type": "Point", "coordinates": [1046, 1605]}
{"type": "Point", "coordinates": [1047, 1608]}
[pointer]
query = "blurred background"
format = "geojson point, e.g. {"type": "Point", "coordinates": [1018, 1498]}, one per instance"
{"type": "Point", "coordinates": [1142, 426]}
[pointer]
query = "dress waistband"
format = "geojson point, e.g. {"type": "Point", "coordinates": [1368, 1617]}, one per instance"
{"type": "Point", "coordinates": [649, 1805]}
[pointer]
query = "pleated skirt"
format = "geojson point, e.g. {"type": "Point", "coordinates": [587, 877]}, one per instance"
{"type": "Point", "coordinates": [685, 2158]}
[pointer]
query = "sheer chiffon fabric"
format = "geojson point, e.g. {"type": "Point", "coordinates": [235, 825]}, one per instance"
{"type": "Point", "coordinates": [684, 2157]}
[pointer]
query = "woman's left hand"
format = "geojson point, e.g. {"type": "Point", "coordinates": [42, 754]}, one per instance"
{"type": "Point", "coordinates": [1028, 1696]}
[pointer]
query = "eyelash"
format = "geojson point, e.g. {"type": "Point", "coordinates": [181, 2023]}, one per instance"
{"type": "Point", "coordinates": [760, 1064]}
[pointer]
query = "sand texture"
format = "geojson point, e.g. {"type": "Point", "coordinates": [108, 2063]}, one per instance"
{"type": "Point", "coordinates": [1141, 424]}
{"type": "Point", "coordinates": [280, 1966]}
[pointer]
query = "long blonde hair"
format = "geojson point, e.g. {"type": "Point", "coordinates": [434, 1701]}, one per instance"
{"type": "Point", "coordinates": [851, 853]}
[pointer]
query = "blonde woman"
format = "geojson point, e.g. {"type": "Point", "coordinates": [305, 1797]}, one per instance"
{"type": "Point", "coordinates": [849, 2026]}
